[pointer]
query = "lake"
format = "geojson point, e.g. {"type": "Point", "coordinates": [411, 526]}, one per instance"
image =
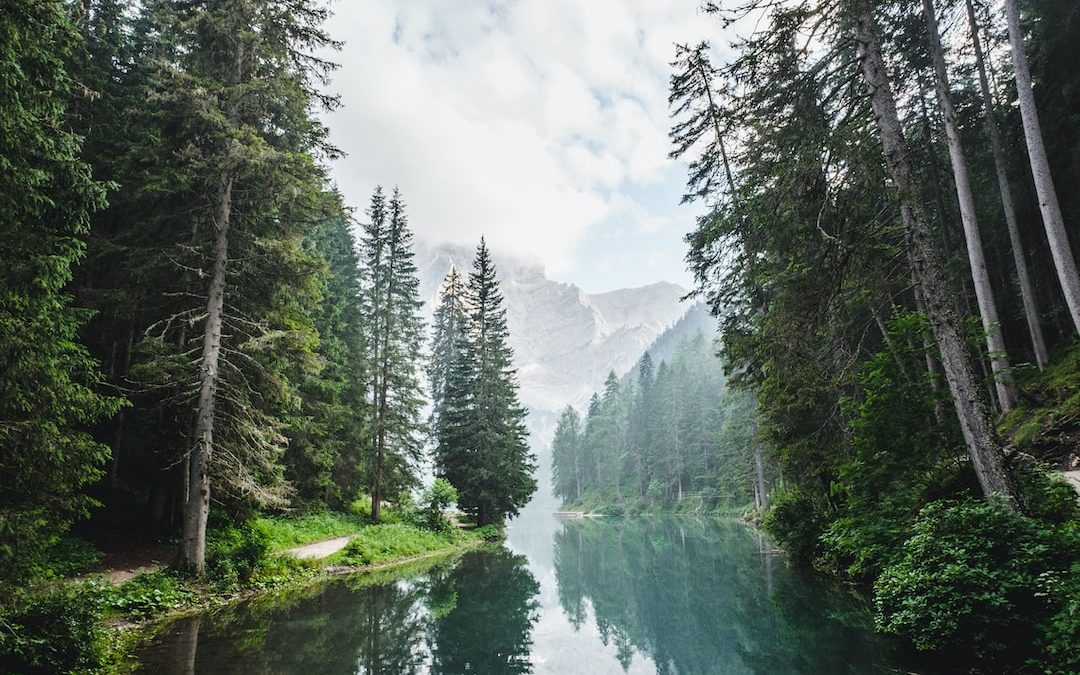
{"type": "Point", "coordinates": [604, 595]}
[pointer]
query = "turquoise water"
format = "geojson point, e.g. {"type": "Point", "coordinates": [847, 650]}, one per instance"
{"type": "Point", "coordinates": [582, 596]}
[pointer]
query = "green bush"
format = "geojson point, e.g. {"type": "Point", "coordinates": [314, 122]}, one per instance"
{"type": "Point", "coordinates": [59, 632]}
{"type": "Point", "coordinates": [1048, 497]}
{"type": "Point", "coordinates": [974, 576]}
{"type": "Point", "coordinates": [234, 552]}
{"type": "Point", "coordinates": [147, 595]}
{"type": "Point", "coordinates": [436, 499]}
{"type": "Point", "coordinates": [489, 532]}
{"type": "Point", "coordinates": [794, 523]}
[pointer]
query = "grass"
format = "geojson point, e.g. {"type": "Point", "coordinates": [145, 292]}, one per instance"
{"type": "Point", "coordinates": [390, 541]}
{"type": "Point", "coordinates": [287, 532]}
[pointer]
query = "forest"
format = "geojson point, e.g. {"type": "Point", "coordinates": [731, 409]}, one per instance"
{"type": "Point", "coordinates": [888, 235]}
{"type": "Point", "coordinates": [671, 437]}
{"type": "Point", "coordinates": [197, 336]}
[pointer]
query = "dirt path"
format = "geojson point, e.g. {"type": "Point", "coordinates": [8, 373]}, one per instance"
{"type": "Point", "coordinates": [319, 549]}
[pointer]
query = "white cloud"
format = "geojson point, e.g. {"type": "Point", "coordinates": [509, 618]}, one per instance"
{"type": "Point", "coordinates": [530, 121]}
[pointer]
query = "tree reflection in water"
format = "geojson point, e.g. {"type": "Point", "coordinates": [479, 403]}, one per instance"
{"type": "Point", "coordinates": [472, 616]}
{"type": "Point", "coordinates": [707, 597]}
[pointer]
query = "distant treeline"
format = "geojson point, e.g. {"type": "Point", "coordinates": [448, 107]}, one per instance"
{"type": "Point", "coordinates": [674, 435]}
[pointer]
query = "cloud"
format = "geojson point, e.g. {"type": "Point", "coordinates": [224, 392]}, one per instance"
{"type": "Point", "coordinates": [534, 122]}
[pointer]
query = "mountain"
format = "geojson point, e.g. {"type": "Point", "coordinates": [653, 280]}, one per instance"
{"type": "Point", "coordinates": [696, 320]}
{"type": "Point", "coordinates": [565, 340]}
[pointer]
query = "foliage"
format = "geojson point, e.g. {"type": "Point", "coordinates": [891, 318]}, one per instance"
{"type": "Point", "coordinates": [673, 438]}
{"type": "Point", "coordinates": [49, 384]}
{"type": "Point", "coordinates": [490, 532]}
{"type": "Point", "coordinates": [437, 499]}
{"type": "Point", "coordinates": [288, 531]}
{"type": "Point", "coordinates": [974, 575]}
{"type": "Point", "coordinates": [148, 595]}
{"type": "Point", "coordinates": [795, 522]}
{"type": "Point", "coordinates": [380, 543]}
{"type": "Point", "coordinates": [234, 552]}
{"type": "Point", "coordinates": [482, 447]}
{"type": "Point", "coordinates": [56, 631]}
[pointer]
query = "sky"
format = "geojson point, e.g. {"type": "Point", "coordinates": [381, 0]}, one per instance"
{"type": "Point", "coordinates": [541, 124]}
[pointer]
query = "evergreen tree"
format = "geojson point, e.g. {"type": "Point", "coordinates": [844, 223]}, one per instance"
{"type": "Point", "coordinates": [48, 383]}
{"type": "Point", "coordinates": [395, 342]}
{"type": "Point", "coordinates": [483, 449]}
{"type": "Point", "coordinates": [447, 341]}
{"type": "Point", "coordinates": [329, 439]}
{"type": "Point", "coordinates": [565, 456]}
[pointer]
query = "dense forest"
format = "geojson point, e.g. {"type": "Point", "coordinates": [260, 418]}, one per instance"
{"type": "Point", "coordinates": [889, 222]}
{"type": "Point", "coordinates": [671, 436]}
{"type": "Point", "coordinates": [194, 328]}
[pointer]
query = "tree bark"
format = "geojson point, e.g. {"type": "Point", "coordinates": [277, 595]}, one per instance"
{"type": "Point", "coordinates": [971, 405]}
{"type": "Point", "coordinates": [1053, 222]}
{"type": "Point", "coordinates": [759, 479]}
{"type": "Point", "coordinates": [984, 292]}
{"type": "Point", "coordinates": [1027, 289]}
{"type": "Point", "coordinates": [197, 509]}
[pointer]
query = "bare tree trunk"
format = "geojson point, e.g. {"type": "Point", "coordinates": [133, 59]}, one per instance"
{"type": "Point", "coordinates": [193, 541]}
{"type": "Point", "coordinates": [1027, 289]}
{"type": "Point", "coordinates": [984, 292]}
{"type": "Point", "coordinates": [1040, 169]}
{"type": "Point", "coordinates": [971, 405]}
{"type": "Point", "coordinates": [933, 366]}
{"type": "Point", "coordinates": [759, 479]}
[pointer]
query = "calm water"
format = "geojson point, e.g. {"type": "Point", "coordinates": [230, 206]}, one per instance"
{"type": "Point", "coordinates": [594, 596]}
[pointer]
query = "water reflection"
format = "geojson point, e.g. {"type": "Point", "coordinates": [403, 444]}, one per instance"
{"type": "Point", "coordinates": [595, 596]}
{"type": "Point", "coordinates": [702, 597]}
{"type": "Point", "coordinates": [474, 616]}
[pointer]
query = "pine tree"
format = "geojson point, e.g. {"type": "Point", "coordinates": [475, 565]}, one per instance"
{"type": "Point", "coordinates": [447, 341]}
{"type": "Point", "coordinates": [565, 456]}
{"type": "Point", "coordinates": [48, 383]}
{"type": "Point", "coordinates": [396, 330]}
{"type": "Point", "coordinates": [483, 448]}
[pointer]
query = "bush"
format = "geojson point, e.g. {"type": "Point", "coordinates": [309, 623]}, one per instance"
{"type": "Point", "coordinates": [59, 632]}
{"type": "Point", "coordinates": [234, 552]}
{"type": "Point", "coordinates": [974, 576]}
{"type": "Point", "coordinates": [489, 532]}
{"type": "Point", "coordinates": [437, 498]}
{"type": "Point", "coordinates": [795, 524]}
{"type": "Point", "coordinates": [147, 595]}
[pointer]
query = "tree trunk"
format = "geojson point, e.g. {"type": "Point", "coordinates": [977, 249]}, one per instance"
{"type": "Point", "coordinates": [984, 292]}
{"type": "Point", "coordinates": [759, 479]}
{"type": "Point", "coordinates": [1027, 289]}
{"type": "Point", "coordinates": [193, 542]}
{"type": "Point", "coordinates": [1062, 253]}
{"type": "Point", "coordinates": [971, 405]}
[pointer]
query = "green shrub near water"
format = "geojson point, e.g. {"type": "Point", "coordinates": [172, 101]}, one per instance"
{"type": "Point", "coordinates": [147, 595]}
{"type": "Point", "coordinates": [234, 552]}
{"type": "Point", "coordinates": [56, 632]}
{"type": "Point", "coordinates": [975, 576]}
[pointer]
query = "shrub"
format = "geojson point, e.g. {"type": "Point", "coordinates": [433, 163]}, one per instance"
{"type": "Point", "coordinates": [974, 576]}
{"type": "Point", "coordinates": [234, 552]}
{"type": "Point", "coordinates": [437, 498]}
{"type": "Point", "coordinates": [489, 532]}
{"type": "Point", "coordinates": [59, 632]}
{"type": "Point", "coordinates": [147, 595]}
{"type": "Point", "coordinates": [795, 523]}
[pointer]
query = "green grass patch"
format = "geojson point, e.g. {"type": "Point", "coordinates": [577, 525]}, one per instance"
{"type": "Point", "coordinates": [287, 532]}
{"type": "Point", "coordinates": [390, 541]}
